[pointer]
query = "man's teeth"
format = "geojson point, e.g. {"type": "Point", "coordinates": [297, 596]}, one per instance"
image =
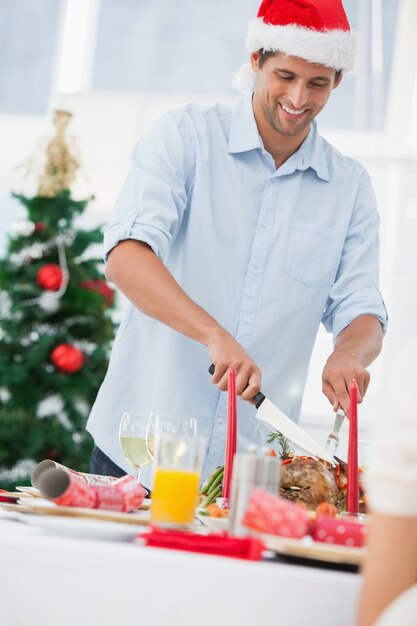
{"type": "Point", "coordinates": [291, 111]}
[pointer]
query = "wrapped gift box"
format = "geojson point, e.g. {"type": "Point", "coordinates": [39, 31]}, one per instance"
{"type": "Point", "coordinates": [340, 531]}
{"type": "Point", "coordinates": [269, 513]}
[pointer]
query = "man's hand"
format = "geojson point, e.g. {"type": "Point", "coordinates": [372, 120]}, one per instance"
{"type": "Point", "coordinates": [355, 348]}
{"type": "Point", "coordinates": [339, 371]}
{"type": "Point", "coordinates": [226, 352]}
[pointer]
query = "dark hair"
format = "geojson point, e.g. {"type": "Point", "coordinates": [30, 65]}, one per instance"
{"type": "Point", "coordinates": [264, 55]}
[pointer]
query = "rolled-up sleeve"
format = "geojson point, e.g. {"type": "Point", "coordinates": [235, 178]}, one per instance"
{"type": "Point", "coordinates": [356, 288]}
{"type": "Point", "coordinates": [153, 200]}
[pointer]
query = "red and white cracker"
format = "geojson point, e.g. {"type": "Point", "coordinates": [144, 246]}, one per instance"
{"type": "Point", "coordinates": [338, 531]}
{"type": "Point", "coordinates": [272, 514]}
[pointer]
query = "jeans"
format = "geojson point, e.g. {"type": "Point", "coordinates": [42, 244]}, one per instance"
{"type": "Point", "coordinates": [102, 465]}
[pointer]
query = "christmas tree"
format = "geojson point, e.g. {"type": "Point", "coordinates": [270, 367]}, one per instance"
{"type": "Point", "coordinates": [55, 324]}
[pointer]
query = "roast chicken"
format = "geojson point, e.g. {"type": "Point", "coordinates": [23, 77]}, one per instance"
{"type": "Point", "coordinates": [310, 481]}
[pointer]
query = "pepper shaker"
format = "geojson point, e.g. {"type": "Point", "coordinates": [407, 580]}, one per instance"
{"type": "Point", "coordinates": [251, 469]}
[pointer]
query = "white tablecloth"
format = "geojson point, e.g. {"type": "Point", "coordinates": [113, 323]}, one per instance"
{"type": "Point", "coordinates": [50, 580]}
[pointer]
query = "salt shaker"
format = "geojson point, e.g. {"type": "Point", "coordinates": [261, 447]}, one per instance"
{"type": "Point", "coordinates": [250, 470]}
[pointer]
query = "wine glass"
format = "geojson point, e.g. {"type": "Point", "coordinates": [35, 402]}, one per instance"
{"type": "Point", "coordinates": [133, 442]}
{"type": "Point", "coordinates": [179, 428]}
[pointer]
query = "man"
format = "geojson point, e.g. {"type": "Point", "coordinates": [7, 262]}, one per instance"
{"type": "Point", "coordinates": [239, 230]}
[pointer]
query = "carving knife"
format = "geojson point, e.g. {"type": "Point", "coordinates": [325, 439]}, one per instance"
{"type": "Point", "coordinates": [275, 419]}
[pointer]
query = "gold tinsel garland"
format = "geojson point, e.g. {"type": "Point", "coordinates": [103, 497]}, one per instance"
{"type": "Point", "coordinates": [61, 162]}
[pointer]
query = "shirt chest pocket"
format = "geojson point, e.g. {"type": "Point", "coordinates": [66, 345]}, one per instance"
{"type": "Point", "coordinates": [313, 253]}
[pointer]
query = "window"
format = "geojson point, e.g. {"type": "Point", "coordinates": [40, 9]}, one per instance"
{"type": "Point", "coordinates": [28, 34]}
{"type": "Point", "coordinates": [164, 46]}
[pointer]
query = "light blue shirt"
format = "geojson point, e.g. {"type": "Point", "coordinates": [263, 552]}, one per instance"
{"type": "Point", "coordinates": [269, 253]}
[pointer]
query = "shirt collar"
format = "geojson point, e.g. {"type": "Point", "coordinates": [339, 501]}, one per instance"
{"type": "Point", "coordinates": [244, 136]}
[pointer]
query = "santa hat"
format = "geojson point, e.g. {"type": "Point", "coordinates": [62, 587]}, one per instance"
{"type": "Point", "coordinates": [314, 30]}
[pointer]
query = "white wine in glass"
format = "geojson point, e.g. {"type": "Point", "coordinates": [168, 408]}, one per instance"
{"type": "Point", "coordinates": [135, 450]}
{"type": "Point", "coordinates": [132, 437]}
{"type": "Point", "coordinates": [181, 427]}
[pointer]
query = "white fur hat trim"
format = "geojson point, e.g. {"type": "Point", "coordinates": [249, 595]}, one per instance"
{"type": "Point", "coordinates": [333, 48]}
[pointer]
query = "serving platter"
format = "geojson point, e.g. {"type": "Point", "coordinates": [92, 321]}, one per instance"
{"type": "Point", "coordinates": [138, 518]}
{"type": "Point", "coordinates": [217, 524]}
{"type": "Point", "coordinates": [29, 491]}
{"type": "Point", "coordinates": [11, 495]}
{"type": "Point", "coordinates": [307, 548]}
{"type": "Point", "coordinates": [32, 492]}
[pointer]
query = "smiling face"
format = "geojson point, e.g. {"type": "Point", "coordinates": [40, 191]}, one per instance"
{"type": "Point", "coordinates": [289, 93]}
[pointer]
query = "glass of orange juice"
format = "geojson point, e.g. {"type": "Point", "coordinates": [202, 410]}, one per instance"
{"type": "Point", "coordinates": [178, 460]}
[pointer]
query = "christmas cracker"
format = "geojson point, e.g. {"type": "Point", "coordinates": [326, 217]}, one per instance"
{"type": "Point", "coordinates": [89, 479]}
{"type": "Point", "coordinates": [124, 494]}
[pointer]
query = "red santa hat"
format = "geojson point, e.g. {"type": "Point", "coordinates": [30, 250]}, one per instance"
{"type": "Point", "coordinates": [314, 30]}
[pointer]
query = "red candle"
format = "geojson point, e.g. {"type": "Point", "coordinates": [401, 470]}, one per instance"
{"type": "Point", "coordinates": [231, 434]}
{"type": "Point", "coordinates": [352, 501]}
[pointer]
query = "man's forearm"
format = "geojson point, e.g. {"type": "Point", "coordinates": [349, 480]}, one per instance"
{"type": "Point", "coordinates": [139, 274]}
{"type": "Point", "coordinates": [146, 282]}
{"type": "Point", "coordinates": [361, 339]}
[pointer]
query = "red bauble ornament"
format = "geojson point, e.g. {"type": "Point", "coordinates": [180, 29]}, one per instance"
{"type": "Point", "coordinates": [101, 287]}
{"type": "Point", "coordinates": [67, 358]}
{"type": "Point", "coordinates": [49, 277]}
{"type": "Point", "coordinates": [39, 227]}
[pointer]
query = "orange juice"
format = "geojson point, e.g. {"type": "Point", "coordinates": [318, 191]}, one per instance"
{"type": "Point", "coordinates": [174, 495]}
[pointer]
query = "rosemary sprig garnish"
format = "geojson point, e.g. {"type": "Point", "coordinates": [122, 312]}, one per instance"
{"type": "Point", "coordinates": [286, 452]}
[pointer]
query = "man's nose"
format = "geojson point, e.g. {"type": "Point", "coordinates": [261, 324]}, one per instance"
{"type": "Point", "coordinates": [298, 95]}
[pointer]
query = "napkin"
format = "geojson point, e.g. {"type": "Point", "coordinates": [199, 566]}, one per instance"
{"type": "Point", "coordinates": [249, 548]}
{"type": "Point", "coordinates": [4, 497]}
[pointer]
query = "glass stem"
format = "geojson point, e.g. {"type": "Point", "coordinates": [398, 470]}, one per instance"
{"type": "Point", "coordinates": [137, 473]}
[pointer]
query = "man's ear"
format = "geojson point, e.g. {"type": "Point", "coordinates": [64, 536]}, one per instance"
{"type": "Point", "coordinates": [254, 61]}
{"type": "Point", "coordinates": [338, 79]}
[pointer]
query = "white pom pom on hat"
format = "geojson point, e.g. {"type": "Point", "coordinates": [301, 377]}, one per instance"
{"type": "Point", "coordinates": [315, 30]}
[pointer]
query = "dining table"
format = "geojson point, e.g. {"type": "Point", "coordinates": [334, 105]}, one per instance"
{"type": "Point", "coordinates": [69, 579]}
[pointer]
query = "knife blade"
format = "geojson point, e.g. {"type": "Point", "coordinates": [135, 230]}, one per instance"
{"type": "Point", "coordinates": [275, 419]}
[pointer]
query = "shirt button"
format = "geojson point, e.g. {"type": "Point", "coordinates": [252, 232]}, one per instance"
{"type": "Point", "coordinates": [264, 224]}
{"type": "Point", "coordinates": [129, 212]}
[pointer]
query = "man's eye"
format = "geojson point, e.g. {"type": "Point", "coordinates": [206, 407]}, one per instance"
{"type": "Point", "coordinates": [318, 84]}
{"type": "Point", "coordinates": [285, 77]}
